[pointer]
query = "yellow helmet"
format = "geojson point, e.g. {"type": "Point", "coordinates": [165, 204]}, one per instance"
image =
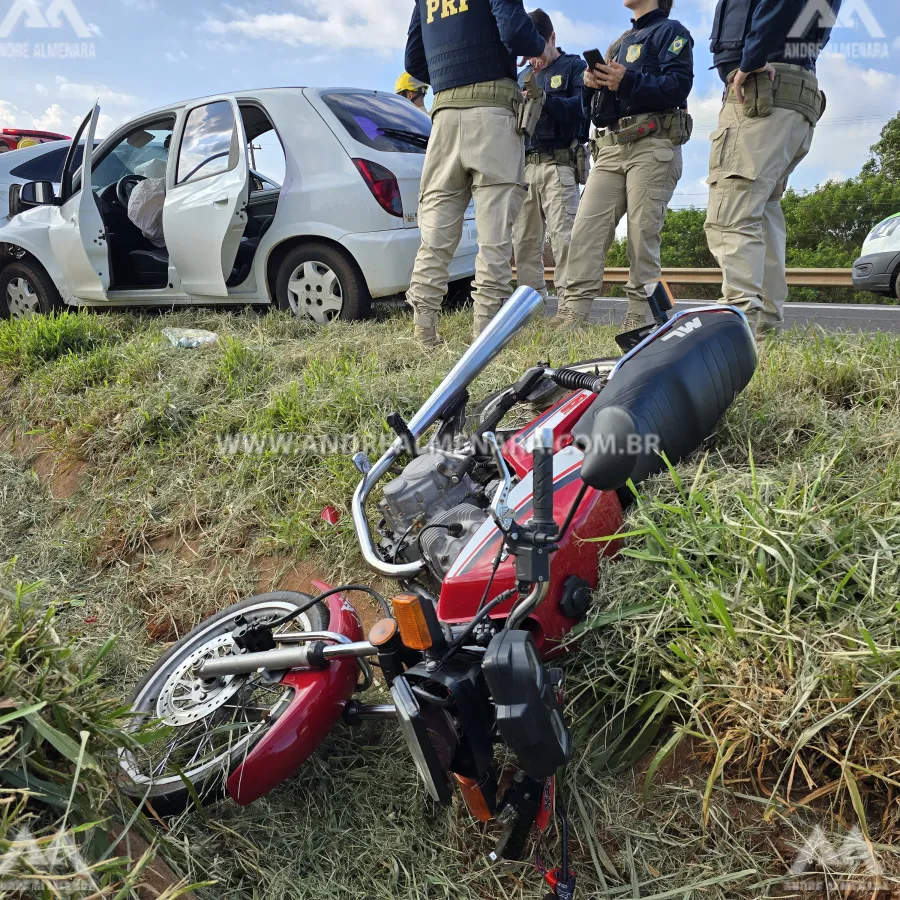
{"type": "Point", "coordinates": [407, 83]}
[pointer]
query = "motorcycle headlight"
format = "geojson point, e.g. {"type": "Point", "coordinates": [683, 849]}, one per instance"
{"type": "Point", "coordinates": [528, 713]}
{"type": "Point", "coordinates": [416, 725]}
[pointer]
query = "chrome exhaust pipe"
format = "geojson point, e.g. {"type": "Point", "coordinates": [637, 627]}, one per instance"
{"type": "Point", "coordinates": [516, 312]}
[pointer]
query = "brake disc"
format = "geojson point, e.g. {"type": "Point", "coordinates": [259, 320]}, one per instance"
{"type": "Point", "coordinates": [186, 697]}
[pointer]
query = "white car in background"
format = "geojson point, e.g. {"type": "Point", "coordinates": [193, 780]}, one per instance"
{"type": "Point", "coordinates": [340, 232]}
{"type": "Point", "coordinates": [41, 162]}
{"type": "Point", "coordinates": [878, 269]}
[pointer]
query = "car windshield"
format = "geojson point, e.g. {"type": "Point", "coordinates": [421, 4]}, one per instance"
{"type": "Point", "coordinates": [131, 155]}
{"type": "Point", "coordinates": [384, 122]}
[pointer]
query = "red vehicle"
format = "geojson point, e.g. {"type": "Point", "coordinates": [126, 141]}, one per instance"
{"type": "Point", "coordinates": [16, 138]}
{"type": "Point", "coordinates": [484, 530]}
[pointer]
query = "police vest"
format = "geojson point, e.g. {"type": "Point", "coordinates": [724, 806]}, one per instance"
{"type": "Point", "coordinates": [730, 27]}
{"type": "Point", "coordinates": [462, 44]}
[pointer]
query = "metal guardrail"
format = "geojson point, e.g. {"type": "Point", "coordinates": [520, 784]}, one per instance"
{"type": "Point", "coordinates": [795, 277]}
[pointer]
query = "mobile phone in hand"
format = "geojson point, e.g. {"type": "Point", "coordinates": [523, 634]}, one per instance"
{"type": "Point", "coordinates": [593, 58]}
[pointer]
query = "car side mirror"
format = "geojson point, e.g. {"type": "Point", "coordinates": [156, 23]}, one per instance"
{"type": "Point", "coordinates": [612, 451]}
{"type": "Point", "coordinates": [37, 193]}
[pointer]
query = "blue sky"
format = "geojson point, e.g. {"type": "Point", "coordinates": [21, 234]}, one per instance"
{"type": "Point", "coordinates": [150, 52]}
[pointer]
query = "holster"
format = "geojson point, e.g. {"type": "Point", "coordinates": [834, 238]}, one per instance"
{"type": "Point", "coordinates": [530, 111]}
{"type": "Point", "coordinates": [582, 168]}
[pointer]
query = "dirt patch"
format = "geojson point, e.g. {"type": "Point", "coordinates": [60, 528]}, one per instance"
{"type": "Point", "coordinates": [686, 762]}
{"type": "Point", "coordinates": [65, 477]}
{"type": "Point", "coordinates": [283, 573]}
{"type": "Point", "coordinates": [62, 473]}
{"type": "Point", "coordinates": [157, 878]}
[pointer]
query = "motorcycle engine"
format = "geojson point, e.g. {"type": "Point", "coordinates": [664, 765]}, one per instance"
{"type": "Point", "coordinates": [431, 492]}
{"type": "Point", "coordinates": [439, 547]}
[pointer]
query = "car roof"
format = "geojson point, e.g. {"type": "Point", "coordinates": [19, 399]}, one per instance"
{"type": "Point", "coordinates": [250, 93]}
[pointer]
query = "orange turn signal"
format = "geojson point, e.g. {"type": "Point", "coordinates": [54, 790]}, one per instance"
{"type": "Point", "coordinates": [474, 797]}
{"type": "Point", "coordinates": [412, 622]}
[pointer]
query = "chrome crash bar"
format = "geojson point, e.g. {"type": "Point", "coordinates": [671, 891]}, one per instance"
{"type": "Point", "coordinates": [523, 304]}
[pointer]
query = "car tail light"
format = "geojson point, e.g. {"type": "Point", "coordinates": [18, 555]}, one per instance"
{"type": "Point", "coordinates": [383, 185]}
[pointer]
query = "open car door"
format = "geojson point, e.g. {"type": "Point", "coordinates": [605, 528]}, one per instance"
{"type": "Point", "coordinates": [77, 232]}
{"type": "Point", "coordinates": [206, 203]}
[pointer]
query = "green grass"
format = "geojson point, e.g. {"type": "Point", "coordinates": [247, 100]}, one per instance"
{"type": "Point", "coordinates": [60, 731]}
{"type": "Point", "coordinates": [744, 651]}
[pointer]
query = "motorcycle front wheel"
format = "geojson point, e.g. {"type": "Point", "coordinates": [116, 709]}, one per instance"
{"type": "Point", "coordinates": [206, 726]}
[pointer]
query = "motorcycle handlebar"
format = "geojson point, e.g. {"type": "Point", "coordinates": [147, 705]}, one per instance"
{"type": "Point", "coordinates": [542, 456]}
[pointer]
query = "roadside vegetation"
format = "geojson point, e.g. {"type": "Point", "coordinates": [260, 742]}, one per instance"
{"type": "Point", "coordinates": [63, 828]}
{"type": "Point", "coordinates": [736, 685]}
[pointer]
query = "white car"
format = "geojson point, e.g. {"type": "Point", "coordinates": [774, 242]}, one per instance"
{"type": "Point", "coordinates": [42, 162]}
{"type": "Point", "coordinates": [340, 232]}
{"type": "Point", "coordinates": [878, 269]}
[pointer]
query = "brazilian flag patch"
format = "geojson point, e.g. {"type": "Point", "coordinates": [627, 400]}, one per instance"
{"type": "Point", "coordinates": [677, 46]}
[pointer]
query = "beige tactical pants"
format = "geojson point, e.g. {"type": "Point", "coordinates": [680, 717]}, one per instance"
{"type": "Point", "coordinates": [750, 163]}
{"type": "Point", "coordinates": [550, 208]}
{"type": "Point", "coordinates": [638, 178]}
{"type": "Point", "coordinates": [472, 152]}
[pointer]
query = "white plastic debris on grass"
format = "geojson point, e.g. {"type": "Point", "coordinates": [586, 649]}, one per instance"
{"type": "Point", "coordinates": [189, 338]}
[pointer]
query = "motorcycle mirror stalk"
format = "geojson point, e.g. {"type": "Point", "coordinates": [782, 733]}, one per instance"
{"type": "Point", "coordinates": [532, 543]}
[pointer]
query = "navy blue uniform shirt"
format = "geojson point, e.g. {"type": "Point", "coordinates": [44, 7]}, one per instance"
{"type": "Point", "coordinates": [659, 55]}
{"type": "Point", "coordinates": [563, 120]}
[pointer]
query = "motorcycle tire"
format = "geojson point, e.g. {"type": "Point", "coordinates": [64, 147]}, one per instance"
{"type": "Point", "coordinates": [161, 694]}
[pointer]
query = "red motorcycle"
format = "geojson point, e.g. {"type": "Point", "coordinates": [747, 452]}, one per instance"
{"type": "Point", "coordinates": [484, 530]}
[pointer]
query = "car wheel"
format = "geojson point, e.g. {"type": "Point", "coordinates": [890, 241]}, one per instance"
{"type": "Point", "coordinates": [319, 282]}
{"type": "Point", "coordinates": [26, 290]}
{"type": "Point", "coordinates": [897, 284]}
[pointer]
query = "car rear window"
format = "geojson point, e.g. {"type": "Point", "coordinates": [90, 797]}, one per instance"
{"type": "Point", "coordinates": [46, 167]}
{"type": "Point", "coordinates": [365, 116]}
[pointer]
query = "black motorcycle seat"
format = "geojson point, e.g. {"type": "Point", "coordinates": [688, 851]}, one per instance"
{"type": "Point", "coordinates": [676, 389]}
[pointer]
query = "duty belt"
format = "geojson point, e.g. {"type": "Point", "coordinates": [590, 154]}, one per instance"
{"type": "Point", "coordinates": [503, 93]}
{"type": "Point", "coordinates": [669, 124]}
{"type": "Point", "coordinates": [794, 88]}
{"type": "Point", "coordinates": [564, 157]}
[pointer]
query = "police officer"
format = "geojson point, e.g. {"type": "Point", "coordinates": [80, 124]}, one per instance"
{"type": "Point", "coordinates": [467, 50]}
{"type": "Point", "coordinates": [555, 164]}
{"type": "Point", "coordinates": [638, 102]}
{"type": "Point", "coordinates": [765, 51]}
{"type": "Point", "coordinates": [412, 89]}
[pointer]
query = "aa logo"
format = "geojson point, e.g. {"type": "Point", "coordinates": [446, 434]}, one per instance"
{"type": "Point", "coordinates": [34, 17]}
{"type": "Point", "coordinates": [821, 13]}
{"type": "Point", "coordinates": [854, 855]}
{"type": "Point", "coordinates": [28, 862]}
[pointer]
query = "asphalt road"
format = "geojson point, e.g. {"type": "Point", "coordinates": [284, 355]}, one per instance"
{"type": "Point", "coordinates": [829, 316]}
